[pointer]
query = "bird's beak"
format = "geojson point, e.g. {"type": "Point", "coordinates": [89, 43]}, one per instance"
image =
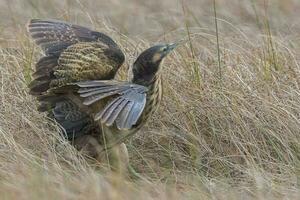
{"type": "Point", "coordinates": [172, 46]}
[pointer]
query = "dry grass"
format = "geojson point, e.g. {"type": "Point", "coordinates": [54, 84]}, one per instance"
{"type": "Point", "coordinates": [228, 128]}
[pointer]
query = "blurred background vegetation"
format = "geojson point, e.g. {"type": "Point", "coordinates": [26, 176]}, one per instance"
{"type": "Point", "coordinates": [229, 123]}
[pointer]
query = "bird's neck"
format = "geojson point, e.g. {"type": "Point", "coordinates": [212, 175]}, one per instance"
{"type": "Point", "coordinates": [148, 82]}
{"type": "Point", "coordinates": [145, 73]}
{"type": "Point", "coordinates": [153, 82]}
{"type": "Point", "coordinates": [154, 96]}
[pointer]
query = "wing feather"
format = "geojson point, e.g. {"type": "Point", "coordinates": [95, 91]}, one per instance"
{"type": "Point", "coordinates": [96, 92]}
{"type": "Point", "coordinates": [55, 35]}
{"type": "Point", "coordinates": [121, 120]}
{"type": "Point", "coordinates": [127, 104]}
{"type": "Point", "coordinates": [136, 111]}
{"type": "Point", "coordinates": [84, 90]}
{"type": "Point", "coordinates": [104, 112]}
{"type": "Point", "coordinates": [114, 112]}
{"type": "Point", "coordinates": [92, 99]}
{"type": "Point", "coordinates": [73, 53]}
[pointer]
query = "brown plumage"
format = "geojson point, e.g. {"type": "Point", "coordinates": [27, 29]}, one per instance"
{"type": "Point", "coordinates": [74, 84]}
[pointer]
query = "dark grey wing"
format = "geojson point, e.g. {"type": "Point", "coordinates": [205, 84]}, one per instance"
{"type": "Point", "coordinates": [80, 53]}
{"type": "Point", "coordinates": [69, 116]}
{"type": "Point", "coordinates": [73, 53]}
{"type": "Point", "coordinates": [54, 36]}
{"type": "Point", "coordinates": [124, 109]}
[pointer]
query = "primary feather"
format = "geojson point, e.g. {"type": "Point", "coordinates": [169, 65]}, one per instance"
{"type": "Point", "coordinates": [125, 110]}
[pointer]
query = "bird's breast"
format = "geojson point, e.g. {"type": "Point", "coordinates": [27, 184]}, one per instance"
{"type": "Point", "coordinates": [154, 97]}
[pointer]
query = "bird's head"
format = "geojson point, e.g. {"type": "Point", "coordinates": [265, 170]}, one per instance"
{"type": "Point", "coordinates": [148, 63]}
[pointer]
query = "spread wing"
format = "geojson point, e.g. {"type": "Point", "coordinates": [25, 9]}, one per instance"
{"type": "Point", "coordinates": [86, 61]}
{"type": "Point", "coordinates": [54, 36]}
{"type": "Point", "coordinates": [124, 109]}
{"type": "Point", "coordinates": [73, 53]}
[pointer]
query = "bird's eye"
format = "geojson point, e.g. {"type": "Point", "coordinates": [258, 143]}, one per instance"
{"type": "Point", "coordinates": [164, 49]}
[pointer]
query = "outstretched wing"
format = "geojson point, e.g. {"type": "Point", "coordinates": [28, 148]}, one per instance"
{"type": "Point", "coordinates": [73, 53]}
{"type": "Point", "coordinates": [54, 36]}
{"type": "Point", "coordinates": [124, 109]}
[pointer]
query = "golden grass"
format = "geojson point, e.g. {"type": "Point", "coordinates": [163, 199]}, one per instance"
{"type": "Point", "coordinates": [228, 128]}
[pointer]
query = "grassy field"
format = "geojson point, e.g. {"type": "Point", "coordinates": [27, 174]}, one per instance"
{"type": "Point", "coordinates": [229, 123]}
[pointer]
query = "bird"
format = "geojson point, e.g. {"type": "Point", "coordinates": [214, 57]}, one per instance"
{"type": "Point", "coordinates": [74, 83]}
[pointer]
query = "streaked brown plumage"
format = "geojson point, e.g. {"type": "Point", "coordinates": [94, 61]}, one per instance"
{"type": "Point", "coordinates": [74, 83]}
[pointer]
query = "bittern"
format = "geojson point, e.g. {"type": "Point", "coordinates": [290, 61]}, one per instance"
{"type": "Point", "coordinates": [74, 82]}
